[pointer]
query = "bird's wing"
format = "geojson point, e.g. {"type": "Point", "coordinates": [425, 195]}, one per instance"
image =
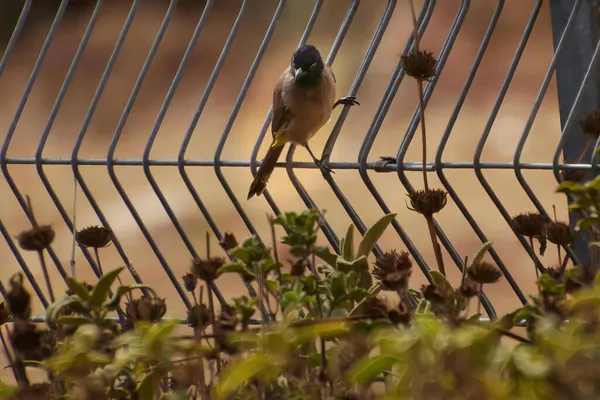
{"type": "Point", "coordinates": [281, 113]}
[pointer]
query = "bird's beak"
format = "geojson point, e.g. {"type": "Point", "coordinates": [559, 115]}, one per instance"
{"type": "Point", "coordinates": [298, 74]}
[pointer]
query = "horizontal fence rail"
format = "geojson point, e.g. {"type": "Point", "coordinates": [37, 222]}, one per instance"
{"type": "Point", "coordinates": [574, 66]}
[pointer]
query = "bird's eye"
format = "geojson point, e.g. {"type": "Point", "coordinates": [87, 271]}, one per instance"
{"type": "Point", "coordinates": [313, 66]}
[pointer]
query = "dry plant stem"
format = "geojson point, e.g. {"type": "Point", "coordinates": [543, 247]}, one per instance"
{"type": "Point", "coordinates": [320, 309]}
{"type": "Point", "coordinates": [588, 144]}
{"type": "Point", "coordinates": [74, 227]}
{"type": "Point", "coordinates": [479, 298]}
{"type": "Point", "coordinates": [535, 261]}
{"type": "Point", "coordinates": [211, 307]}
{"type": "Point", "coordinates": [8, 356]}
{"type": "Point", "coordinates": [436, 246]}
{"type": "Point", "coordinates": [275, 253]}
{"type": "Point", "coordinates": [46, 275]}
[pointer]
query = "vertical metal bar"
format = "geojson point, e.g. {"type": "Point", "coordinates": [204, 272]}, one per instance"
{"type": "Point", "coordinates": [488, 127]}
{"type": "Point", "coordinates": [531, 120]}
{"type": "Point", "coordinates": [115, 141]}
{"type": "Point", "coordinates": [85, 125]}
{"type": "Point", "coordinates": [13, 126]}
{"type": "Point", "coordinates": [572, 68]}
{"type": "Point", "coordinates": [444, 140]}
{"type": "Point", "coordinates": [46, 133]}
{"type": "Point", "coordinates": [384, 106]}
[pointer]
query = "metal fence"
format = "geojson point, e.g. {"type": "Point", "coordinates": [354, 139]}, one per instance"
{"type": "Point", "coordinates": [574, 63]}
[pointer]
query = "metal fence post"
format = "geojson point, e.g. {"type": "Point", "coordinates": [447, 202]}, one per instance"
{"type": "Point", "coordinates": [571, 67]}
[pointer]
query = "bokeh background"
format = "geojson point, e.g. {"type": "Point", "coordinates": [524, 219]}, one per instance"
{"type": "Point", "coordinates": [501, 145]}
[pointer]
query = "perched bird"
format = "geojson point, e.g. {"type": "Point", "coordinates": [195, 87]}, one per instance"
{"type": "Point", "coordinates": [303, 100]}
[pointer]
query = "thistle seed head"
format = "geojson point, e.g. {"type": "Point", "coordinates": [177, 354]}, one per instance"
{"type": "Point", "coordinates": [207, 270]}
{"type": "Point", "coordinates": [428, 202]}
{"type": "Point", "coordinates": [393, 270]}
{"type": "Point", "coordinates": [529, 224]}
{"type": "Point", "coordinates": [419, 64]}
{"type": "Point", "coordinates": [484, 272]}
{"type": "Point", "coordinates": [559, 233]}
{"type": "Point", "coordinates": [37, 238]}
{"type": "Point", "coordinates": [94, 237]}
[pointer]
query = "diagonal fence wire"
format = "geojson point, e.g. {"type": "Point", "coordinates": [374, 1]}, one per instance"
{"type": "Point", "coordinates": [577, 9]}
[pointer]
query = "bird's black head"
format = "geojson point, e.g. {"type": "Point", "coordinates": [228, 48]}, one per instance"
{"type": "Point", "coordinates": [307, 64]}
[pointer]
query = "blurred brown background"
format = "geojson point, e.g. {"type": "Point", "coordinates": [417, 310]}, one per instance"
{"type": "Point", "coordinates": [500, 147]}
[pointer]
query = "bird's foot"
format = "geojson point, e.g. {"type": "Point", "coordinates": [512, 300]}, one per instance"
{"type": "Point", "coordinates": [347, 101]}
{"type": "Point", "coordinates": [323, 168]}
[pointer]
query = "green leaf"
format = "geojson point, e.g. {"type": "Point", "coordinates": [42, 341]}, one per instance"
{"type": "Point", "coordinates": [74, 320]}
{"type": "Point", "coordinates": [235, 269]}
{"type": "Point", "coordinates": [53, 310]}
{"type": "Point", "coordinates": [373, 234]}
{"type": "Point", "coordinates": [593, 184]}
{"type": "Point", "coordinates": [272, 285]}
{"type": "Point", "coordinates": [145, 389]}
{"type": "Point", "coordinates": [237, 374]}
{"type": "Point", "coordinates": [8, 391]}
{"type": "Point", "coordinates": [78, 289]}
{"type": "Point", "coordinates": [100, 292]}
{"type": "Point", "coordinates": [481, 253]}
{"type": "Point", "coordinates": [241, 254]}
{"type": "Point", "coordinates": [114, 301]}
{"type": "Point", "coordinates": [569, 187]}
{"type": "Point", "coordinates": [440, 281]}
{"type": "Point", "coordinates": [369, 368]}
{"type": "Point", "coordinates": [348, 248]}
{"type": "Point", "coordinates": [324, 254]}
{"type": "Point", "coordinates": [324, 329]}
{"type": "Point", "coordinates": [530, 362]}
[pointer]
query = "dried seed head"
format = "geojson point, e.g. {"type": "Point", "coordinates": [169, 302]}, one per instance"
{"type": "Point", "coordinates": [199, 316]}
{"type": "Point", "coordinates": [36, 239]}
{"type": "Point", "coordinates": [590, 123]}
{"type": "Point", "coordinates": [32, 344]}
{"type": "Point", "coordinates": [207, 270]}
{"type": "Point", "coordinates": [18, 299]}
{"type": "Point", "coordinates": [227, 319]}
{"type": "Point", "coordinates": [434, 294]}
{"type": "Point", "coordinates": [375, 308]}
{"type": "Point", "coordinates": [190, 281]}
{"type": "Point", "coordinates": [95, 237]}
{"type": "Point", "coordinates": [146, 308]}
{"type": "Point", "coordinates": [428, 202]}
{"type": "Point", "coordinates": [4, 315]}
{"type": "Point", "coordinates": [555, 273]}
{"type": "Point", "coordinates": [393, 270]}
{"type": "Point", "coordinates": [469, 289]}
{"type": "Point", "coordinates": [559, 233]}
{"type": "Point", "coordinates": [228, 242]}
{"type": "Point", "coordinates": [529, 224]}
{"type": "Point", "coordinates": [298, 268]}
{"type": "Point", "coordinates": [484, 272]}
{"type": "Point", "coordinates": [419, 64]}
{"type": "Point", "coordinates": [400, 315]}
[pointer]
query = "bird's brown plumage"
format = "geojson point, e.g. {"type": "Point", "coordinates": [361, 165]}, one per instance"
{"type": "Point", "coordinates": [299, 111]}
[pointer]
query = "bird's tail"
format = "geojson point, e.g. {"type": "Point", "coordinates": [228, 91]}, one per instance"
{"type": "Point", "coordinates": [264, 171]}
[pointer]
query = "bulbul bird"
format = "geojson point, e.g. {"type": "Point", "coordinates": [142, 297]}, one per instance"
{"type": "Point", "coordinates": [303, 100]}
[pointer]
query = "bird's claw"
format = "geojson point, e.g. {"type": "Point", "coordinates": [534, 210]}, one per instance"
{"type": "Point", "coordinates": [347, 101]}
{"type": "Point", "coordinates": [324, 168]}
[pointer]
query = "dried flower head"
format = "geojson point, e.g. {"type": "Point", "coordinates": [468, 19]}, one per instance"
{"type": "Point", "coordinates": [146, 308]}
{"type": "Point", "coordinates": [207, 270]}
{"type": "Point", "coordinates": [225, 322]}
{"type": "Point", "coordinates": [469, 288]}
{"type": "Point", "coordinates": [95, 237]}
{"type": "Point", "coordinates": [228, 242]}
{"type": "Point", "coordinates": [573, 175]}
{"type": "Point", "coordinates": [484, 272]}
{"type": "Point", "coordinates": [190, 281]}
{"type": "Point", "coordinates": [590, 123]}
{"type": "Point", "coordinates": [559, 233]}
{"type": "Point", "coordinates": [4, 315]}
{"type": "Point", "coordinates": [428, 202]}
{"type": "Point", "coordinates": [375, 308]}
{"type": "Point", "coordinates": [400, 315]}
{"type": "Point", "coordinates": [199, 316]}
{"type": "Point", "coordinates": [434, 294]}
{"type": "Point", "coordinates": [31, 343]}
{"type": "Point", "coordinates": [529, 224]}
{"type": "Point", "coordinates": [419, 64]}
{"type": "Point", "coordinates": [37, 238]}
{"type": "Point", "coordinates": [298, 267]}
{"type": "Point", "coordinates": [18, 299]}
{"type": "Point", "coordinates": [393, 270]}
{"type": "Point", "coordinates": [555, 273]}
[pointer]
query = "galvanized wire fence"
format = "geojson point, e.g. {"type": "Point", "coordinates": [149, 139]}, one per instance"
{"type": "Point", "coordinates": [573, 65]}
